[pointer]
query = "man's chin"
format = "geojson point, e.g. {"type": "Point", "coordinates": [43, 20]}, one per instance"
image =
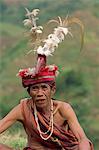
{"type": "Point", "coordinates": [41, 103]}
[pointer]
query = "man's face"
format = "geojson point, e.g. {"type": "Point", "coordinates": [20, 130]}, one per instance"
{"type": "Point", "coordinates": [41, 94]}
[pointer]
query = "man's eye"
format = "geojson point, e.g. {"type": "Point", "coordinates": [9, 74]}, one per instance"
{"type": "Point", "coordinates": [44, 87]}
{"type": "Point", "coordinates": [34, 87]}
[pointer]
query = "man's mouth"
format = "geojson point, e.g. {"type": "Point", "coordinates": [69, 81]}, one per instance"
{"type": "Point", "coordinates": [40, 100]}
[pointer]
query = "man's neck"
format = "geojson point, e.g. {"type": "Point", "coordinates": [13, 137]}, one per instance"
{"type": "Point", "coordinates": [45, 110]}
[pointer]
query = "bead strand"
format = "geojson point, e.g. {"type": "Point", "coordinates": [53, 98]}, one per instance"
{"type": "Point", "coordinates": [50, 124]}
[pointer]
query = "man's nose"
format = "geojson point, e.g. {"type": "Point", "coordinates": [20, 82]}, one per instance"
{"type": "Point", "coordinates": [40, 92]}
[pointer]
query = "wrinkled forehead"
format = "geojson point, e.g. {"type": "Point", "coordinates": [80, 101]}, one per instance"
{"type": "Point", "coordinates": [41, 84]}
{"type": "Point", "coordinates": [47, 83]}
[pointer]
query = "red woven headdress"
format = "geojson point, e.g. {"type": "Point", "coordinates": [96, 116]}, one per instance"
{"type": "Point", "coordinates": [38, 74]}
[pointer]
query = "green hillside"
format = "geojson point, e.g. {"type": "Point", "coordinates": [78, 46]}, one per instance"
{"type": "Point", "coordinates": [79, 71]}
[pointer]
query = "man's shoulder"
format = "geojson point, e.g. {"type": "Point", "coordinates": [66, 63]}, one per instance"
{"type": "Point", "coordinates": [62, 103]}
{"type": "Point", "coordinates": [63, 108]}
{"type": "Point", "coordinates": [24, 99]}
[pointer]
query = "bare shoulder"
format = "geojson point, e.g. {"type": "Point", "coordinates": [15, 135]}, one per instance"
{"type": "Point", "coordinates": [62, 104]}
{"type": "Point", "coordinates": [65, 109]}
{"type": "Point", "coordinates": [16, 112]}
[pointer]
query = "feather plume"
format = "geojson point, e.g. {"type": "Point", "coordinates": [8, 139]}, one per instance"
{"type": "Point", "coordinates": [77, 21]}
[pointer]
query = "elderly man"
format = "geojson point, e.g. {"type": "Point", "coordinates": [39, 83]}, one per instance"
{"type": "Point", "coordinates": [49, 124]}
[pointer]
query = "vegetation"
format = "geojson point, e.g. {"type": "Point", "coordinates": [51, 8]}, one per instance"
{"type": "Point", "coordinates": [79, 71]}
{"type": "Point", "coordinates": [16, 140]}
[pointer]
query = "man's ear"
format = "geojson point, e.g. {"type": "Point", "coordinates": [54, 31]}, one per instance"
{"type": "Point", "coordinates": [53, 90]}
